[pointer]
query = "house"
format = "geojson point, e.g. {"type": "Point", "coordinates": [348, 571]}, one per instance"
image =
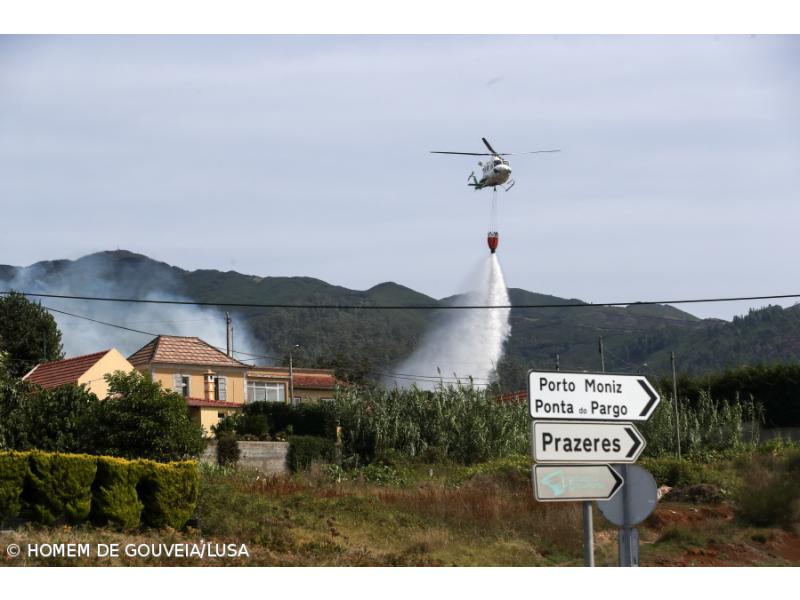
{"type": "Point", "coordinates": [273, 384]}
{"type": "Point", "coordinates": [89, 370]}
{"type": "Point", "coordinates": [216, 385]}
{"type": "Point", "coordinates": [212, 382]}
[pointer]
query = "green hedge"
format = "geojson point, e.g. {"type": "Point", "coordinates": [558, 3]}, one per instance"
{"type": "Point", "coordinates": [13, 468]}
{"type": "Point", "coordinates": [304, 449]}
{"type": "Point", "coordinates": [115, 501]}
{"type": "Point", "coordinates": [168, 492]}
{"type": "Point", "coordinates": [59, 487]}
{"type": "Point", "coordinates": [52, 488]}
{"type": "Point", "coordinates": [315, 419]}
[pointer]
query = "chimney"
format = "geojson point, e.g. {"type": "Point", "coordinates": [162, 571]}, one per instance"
{"type": "Point", "coordinates": [208, 384]}
{"type": "Point", "coordinates": [229, 332]}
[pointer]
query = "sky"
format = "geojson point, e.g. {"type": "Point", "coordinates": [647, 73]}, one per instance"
{"type": "Point", "coordinates": [679, 175]}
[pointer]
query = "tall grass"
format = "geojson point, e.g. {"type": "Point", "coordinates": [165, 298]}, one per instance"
{"type": "Point", "coordinates": [460, 422]}
{"type": "Point", "coordinates": [705, 425]}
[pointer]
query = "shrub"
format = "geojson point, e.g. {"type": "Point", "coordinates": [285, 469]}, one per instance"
{"type": "Point", "coordinates": [168, 492]}
{"type": "Point", "coordinates": [115, 501]}
{"type": "Point", "coordinates": [770, 491]}
{"type": "Point", "coordinates": [59, 487]}
{"type": "Point", "coordinates": [227, 450]}
{"type": "Point", "coordinates": [13, 467]}
{"type": "Point", "coordinates": [305, 449]}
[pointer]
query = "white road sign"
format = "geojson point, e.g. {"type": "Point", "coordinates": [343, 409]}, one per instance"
{"type": "Point", "coordinates": [585, 442]}
{"type": "Point", "coordinates": [590, 396]}
{"type": "Point", "coordinates": [556, 483]}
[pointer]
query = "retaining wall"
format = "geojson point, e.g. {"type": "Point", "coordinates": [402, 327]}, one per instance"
{"type": "Point", "coordinates": [267, 457]}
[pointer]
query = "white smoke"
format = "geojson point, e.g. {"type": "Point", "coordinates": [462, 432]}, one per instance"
{"type": "Point", "coordinates": [466, 343]}
{"type": "Point", "coordinates": [96, 276]}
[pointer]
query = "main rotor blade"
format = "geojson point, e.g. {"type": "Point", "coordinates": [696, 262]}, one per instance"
{"type": "Point", "coordinates": [465, 153]}
{"type": "Point", "coordinates": [489, 146]}
{"type": "Point", "coordinates": [533, 152]}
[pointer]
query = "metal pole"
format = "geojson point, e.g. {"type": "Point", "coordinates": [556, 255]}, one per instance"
{"type": "Point", "coordinates": [588, 534]}
{"type": "Point", "coordinates": [675, 400]}
{"type": "Point", "coordinates": [558, 362]}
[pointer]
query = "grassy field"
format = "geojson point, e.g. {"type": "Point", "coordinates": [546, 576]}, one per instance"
{"type": "Point", "coordinates": [440, 514]}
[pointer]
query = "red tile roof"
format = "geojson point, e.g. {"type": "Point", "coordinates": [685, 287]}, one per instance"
{"type": "Point", "coordinates": [323, 382]}
{"type": "Point", "coordinates": [174, 350]}
{"type": "Point", "coordinates": [322, 379]}
{"type": "Point", "coordinates": [59, 372]}
{"type": "Point", "coordinates": [202, 403]}
{"type": "Point", "coordinates": [512, 397]}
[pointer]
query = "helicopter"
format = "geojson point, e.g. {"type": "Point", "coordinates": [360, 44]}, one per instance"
{"type": "Point", "coordinates": [496, 171]}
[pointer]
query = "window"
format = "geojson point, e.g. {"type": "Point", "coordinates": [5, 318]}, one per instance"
{"type": "Point", "coordinates": [180, 384]}
{"type": "Point", "coordinates": [220, 415]}
{"type": "Point", "coordinates": [262, 391]}
{"type": "Point", "coordinates": [221, 388]}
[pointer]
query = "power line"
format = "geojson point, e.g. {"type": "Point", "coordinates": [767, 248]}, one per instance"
{"type": "Point", "coordinates": [406, 376]}
{"type": "Point", "coordinates": [409, 306]}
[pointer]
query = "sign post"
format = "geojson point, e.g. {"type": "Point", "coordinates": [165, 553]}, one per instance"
{"type": "Point", "coordinates": [581, 423]}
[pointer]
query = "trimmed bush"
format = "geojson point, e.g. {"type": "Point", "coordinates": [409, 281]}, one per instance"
{"type": "Point", "coordinates": [13, 467]}
{"type": "Point", "coordinates": [59, 487]}
{"type": "Point", "coordinates": [168, 492]}
{"type": "Point", "coordinates": [305, 449]}
{"type": "Point", "coordinates": [227, 450]}
{"type": "Point", "coordinates": [115, 501]}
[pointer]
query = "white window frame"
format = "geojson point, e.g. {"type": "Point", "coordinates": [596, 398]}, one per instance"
{"type": "Point", "coordinates": [278, 388]}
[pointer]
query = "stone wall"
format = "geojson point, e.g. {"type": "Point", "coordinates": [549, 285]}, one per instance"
{"type": "Point", "coordinates": [267, 457]}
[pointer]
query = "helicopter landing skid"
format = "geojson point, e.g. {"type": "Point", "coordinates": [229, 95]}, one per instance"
{"type": "Point", "coordinates": [510, 185]}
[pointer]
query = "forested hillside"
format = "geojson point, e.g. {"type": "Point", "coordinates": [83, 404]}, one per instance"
{"type": "Point", "coordinates": [364, 343]}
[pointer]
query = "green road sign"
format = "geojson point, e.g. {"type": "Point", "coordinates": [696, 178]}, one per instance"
{"type": "Point", "coordinates": [557, 483]}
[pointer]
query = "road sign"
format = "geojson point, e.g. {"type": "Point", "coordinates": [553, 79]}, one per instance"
{"type": "Point", "coordinates": [590, 396]}
{"type": "Point", "coordinates": [585, 442]}
{"type": "Point", "coordinates": [640, 493]}
{"type": "Point", "coordinates": [555, 483]}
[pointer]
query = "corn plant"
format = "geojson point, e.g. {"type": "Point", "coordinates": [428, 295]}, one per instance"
{"type": "Point", "coordinates": [461, 421]}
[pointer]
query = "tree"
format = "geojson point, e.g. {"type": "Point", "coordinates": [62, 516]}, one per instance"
{"type": "Point", "coordinates": [28, 333]}
{"type": "Point", "coordinates": [139, 419]}
{"type": "Point", "coordinates": [54, 420]}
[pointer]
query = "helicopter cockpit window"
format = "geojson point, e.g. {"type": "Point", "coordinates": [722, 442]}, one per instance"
{"type": "Point", "coordinates": [497, 161]}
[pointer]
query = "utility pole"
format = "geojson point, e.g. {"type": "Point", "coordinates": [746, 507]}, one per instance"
{"type": "Point", "coordinates": [602, 355]}
{"type": "Point", "coordinates": [229, 334]}
{"type": "Point", "coordinates": [291, 375]}
{"type": "Point", "coordinates": [675, 400]}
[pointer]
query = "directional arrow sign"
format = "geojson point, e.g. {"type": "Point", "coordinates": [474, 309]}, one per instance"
{"type": "Point", "coordinates": [584, 442]}
{"type": "Point", "coordinates": [556, 483]}
{"type": "Point", "coordinates": [590, 396]}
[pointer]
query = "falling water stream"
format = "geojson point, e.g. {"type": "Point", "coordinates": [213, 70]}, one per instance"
{"type": "Point", "coordinates": [465, 343]}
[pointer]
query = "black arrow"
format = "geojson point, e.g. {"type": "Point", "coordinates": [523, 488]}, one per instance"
{"type": "Point", "coordinates": [636, 442]}
{"type": "Point", "coordinates": [617, 479]}
{"type": "Point", "coordinates": [653, 396]}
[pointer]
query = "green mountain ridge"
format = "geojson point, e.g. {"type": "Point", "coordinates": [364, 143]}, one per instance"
{"type": "Point", "coordinates": [363, 343]}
